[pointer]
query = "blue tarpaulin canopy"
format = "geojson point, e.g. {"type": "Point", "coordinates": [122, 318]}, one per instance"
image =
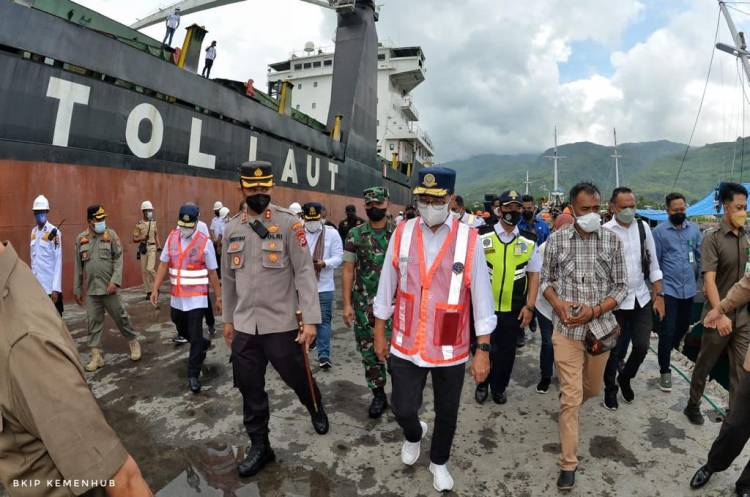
{"type": "Point", "coordinates": [703, 207]}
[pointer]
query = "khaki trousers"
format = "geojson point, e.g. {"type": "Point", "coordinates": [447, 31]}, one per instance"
{"type": "Point", "coordinates": [581, 377]}
{"type": "Point", "coordinates": [95, 307]}
{"type": "Point", "coordinates": [148, 268]}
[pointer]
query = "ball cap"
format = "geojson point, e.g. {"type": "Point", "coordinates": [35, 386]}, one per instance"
{"type": "Point", "coordinates": [510, 197]}
{"type": "Point", "coordinates": [188, 216]}
{"type": "Point", "coordinates": [311, 211]}
{"type": "Point", "coordinates": [436, 181]}
{"type": "Point", "coordinates": [95, 212]}
{"type": "Point", "coordinates": [256, 173]}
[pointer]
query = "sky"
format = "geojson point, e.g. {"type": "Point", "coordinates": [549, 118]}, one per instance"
{"type": "Point", "coordinates": [501, 74]}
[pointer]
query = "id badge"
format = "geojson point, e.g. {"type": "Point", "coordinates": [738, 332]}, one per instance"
{"type": "Point", "coordinates": [691, 258]}
{"type": "Point", "coordinates": [747, 267]}
{"type": "Point", "coordinates": [521, 248]}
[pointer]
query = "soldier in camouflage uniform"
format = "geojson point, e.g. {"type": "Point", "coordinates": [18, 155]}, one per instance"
{"type": "Point", "coordinates": [364, 255]}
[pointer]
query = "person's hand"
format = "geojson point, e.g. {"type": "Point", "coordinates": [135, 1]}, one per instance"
{"type": "Point", "coordinates": [480, 366]}
{"type": "Point", "coordinates": [525, 316]}
{"type": "Point", "coordinates": [724, 326]}
{"type": "Point", "coordinates": [111, 289]}
{"type": "Point", "coordinates": [382, 347]}
{"type": "Point", "coordinates": [585, 314]}
{"type": "Point", "coordinates": [309, 331]}
{"type": "Point", "coordinates": [348, 315]}
{"type": "Point", "coordinates": [218, 307]}
{"type": "Point", "coordinates": [79, 300]}
{"type": "Point", "coordinates": [562, 309]}
{"type": "Point", "coordinates": [154, 297]}
{"type": "Point", "coordinates": [228, 334]}
{"type": "Point", "coordinates": [319, 265]}
{"type": "Point", "coordinates": [659, 307]}
{"type": "Point", "coordinates": [55, 296]}
{"type": "Point", "coordinates": [712, 318]}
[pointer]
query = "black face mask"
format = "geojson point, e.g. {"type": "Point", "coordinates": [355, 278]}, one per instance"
{"type": "Point", "coordinates": [410, 215]}
{"type": "Point", "coordinates": [376, 214]}
{"type": "Point", "coordinates": [258, 202]}
{"type": "Point", "coordinates": [512, 218]}
{"type": "Point", "coordinates": [528, 215]}
{"type": "Point", "coordinates": [677, 219]}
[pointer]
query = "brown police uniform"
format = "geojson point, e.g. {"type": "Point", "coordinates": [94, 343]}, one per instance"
{"type": "Point", "coordinates": [727, 254]}
{"type": "Point", "coordinates": [146, 231]}
{"type": "Point", "coordinates": [51, 427]}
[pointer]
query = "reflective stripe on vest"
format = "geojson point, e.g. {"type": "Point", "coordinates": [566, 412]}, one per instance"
{"type": "Point", "coordinates": [507, 264]}
{"type": "Point", "coordinates": [188, 274]}
{"type": "Point", "coordinates": [431, 315]}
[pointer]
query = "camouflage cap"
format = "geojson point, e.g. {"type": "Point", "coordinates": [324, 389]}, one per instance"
{"type": "Point", "coordinates": [477, 207]}
{"type": "Point", "coordinates": [375, 194]}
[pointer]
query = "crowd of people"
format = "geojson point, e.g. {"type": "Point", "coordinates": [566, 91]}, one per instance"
{"type": "Point", "coordinates": [425, 292]}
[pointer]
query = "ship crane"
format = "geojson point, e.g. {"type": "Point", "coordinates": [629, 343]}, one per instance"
{"type": "Point", "coordinates": [192, 6]}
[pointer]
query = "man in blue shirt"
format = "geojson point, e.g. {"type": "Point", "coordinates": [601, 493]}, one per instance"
{"type": "Point", "coordinates": [678, 243]}
{"type": "Point", "coordinates": [530, 223]}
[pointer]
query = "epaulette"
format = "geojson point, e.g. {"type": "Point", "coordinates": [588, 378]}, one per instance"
{"type": "Point", "coordinates": [485, 229]}
{"type": "Point", "coordinates": [528, 234]}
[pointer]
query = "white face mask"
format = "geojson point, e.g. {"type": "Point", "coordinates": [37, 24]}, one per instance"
{"type": "Point", "coordinates": [590, 222]}
{"type": "Point", "coordinates": [187, 232]}
{"type": "Point", "coordinates": [456, 215]}
{"type": "Point", "coordinates": [433, 215]}
{"type": "Point", "coordinates": [313, 226]}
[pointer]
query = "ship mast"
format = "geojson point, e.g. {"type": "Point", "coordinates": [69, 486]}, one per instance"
{"type": "Point", "coordinates": [617, 158]}
{"type": "Point", "coordinates": [556, 158]}
{"type": "Point", "coordinates": [739, 48]}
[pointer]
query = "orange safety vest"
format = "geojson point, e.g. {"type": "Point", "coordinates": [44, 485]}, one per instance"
{"type": "Point", "coordinates": [432, 308]}
{"type": "Point", "coordinates": [187, 269]}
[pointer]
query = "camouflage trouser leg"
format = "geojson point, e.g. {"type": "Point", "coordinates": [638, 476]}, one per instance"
{"type": "Point", "coordinates": [375, 371]}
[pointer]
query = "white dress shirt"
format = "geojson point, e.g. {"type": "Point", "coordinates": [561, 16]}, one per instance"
{"type": "Point", "coordinates": [485, 319]}
{"type": "Point", "coordinates": [202, 227]}
{"type": "Point", "coordinates": [217, 227]}
{"type": "Point", "coordinates": [535, 262]}
{"type": "Point", "coordinates": [190, 303]}
{"type": "Point", "coordinates": [542, 304]}
{"type": "Point", "coordinates": [333, 256]}
{"type": "Point", "coordinates": [173, 21]}
{"type": "Point", "coordinates": [478, 221]}
{"type": "Point", "coordinates": [631, 247]}
{"type": "Point", "coordinates": [211, 53]}
{"type": "Point", "coordinates": [46, 258]}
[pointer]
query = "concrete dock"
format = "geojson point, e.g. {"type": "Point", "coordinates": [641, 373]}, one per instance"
{"type": "Point", "coordinates": [187, 445]}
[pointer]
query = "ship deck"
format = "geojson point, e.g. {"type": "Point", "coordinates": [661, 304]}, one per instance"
{"type": "Point", "coordinates": [186, 444]}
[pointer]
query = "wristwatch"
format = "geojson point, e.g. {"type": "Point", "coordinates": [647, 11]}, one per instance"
{"type": "Point", "coordinates": [660, 294]}
{"type": "Point", "coordinates": [485, 347]}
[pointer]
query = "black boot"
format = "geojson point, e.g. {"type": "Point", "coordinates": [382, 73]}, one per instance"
{"type": "Point", "coordinates": [567, 480]}
{"type": "Point", "coordinates": [482, 392]}
{"type": "Point", "coordinates": [257, 456]}
{"type": "Point", "coordinates": [320, 420]}
{"type": "Point", "coordinates": [379, 403]}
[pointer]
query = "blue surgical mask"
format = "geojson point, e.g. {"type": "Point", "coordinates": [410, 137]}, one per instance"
{"type": "Point", "coordinates": [41, 218]}
{"type": "Point", "coordinates": [100, 226]}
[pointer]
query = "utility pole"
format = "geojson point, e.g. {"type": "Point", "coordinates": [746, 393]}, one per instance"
{"type": "Point", "coordinates": [617, 158]}
{"type": "Point", "coordinates": [556, 158]}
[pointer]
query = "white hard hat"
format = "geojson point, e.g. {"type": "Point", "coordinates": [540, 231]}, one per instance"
{"type": "Point", "coordinates": [218, 205]}
{"type": "Point", "coordinates": [147, 206]}
{"type": "Point", "coordinates": [295, 207]}
{"type": "Point", "coordinates": [40, 204]}
{"type": "Point", "coordinates": [224, 212]}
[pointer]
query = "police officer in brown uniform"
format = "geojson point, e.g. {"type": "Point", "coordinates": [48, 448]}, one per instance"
{"type": "Point", "coordinates": [267, 275]}
{"type": "Point", "coordinates": [146, 235]}
{"type": "Point", "coordinates": [51, 428]}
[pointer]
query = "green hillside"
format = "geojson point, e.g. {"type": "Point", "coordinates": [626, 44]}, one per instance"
{"type": "Point", "coordinates": [649, 168]}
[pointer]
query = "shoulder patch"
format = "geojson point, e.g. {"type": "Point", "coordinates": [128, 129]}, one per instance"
{"type": "Point", "coordinates": [298, 226]}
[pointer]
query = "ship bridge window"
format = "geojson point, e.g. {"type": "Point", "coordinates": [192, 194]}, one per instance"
{"type": "Point", "coordinates": [381, 56]}
{"type": "Point", "coordinates": [299, 86]}
{"type": "Point", "coordinates": [315, 84]}
{"type": "Point", "coordinates": [328, 62]}
{"type": "Point", "coordinates": [307, 65]}
{"type": "Point", "coordinates": [316, 64]}
{"type": "Point", "coordinates": [297, 67]}
{"type": "Point", "coordinates": [314, 105]}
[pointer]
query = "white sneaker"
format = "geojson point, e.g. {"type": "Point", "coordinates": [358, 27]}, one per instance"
{"type": "Point", "coordinates": [410, 450]}
{"type": "Point", "coordinates": [442, 479]}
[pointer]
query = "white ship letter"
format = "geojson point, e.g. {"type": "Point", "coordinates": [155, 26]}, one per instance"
{"type": "Point", "coordinates": [147, 149]}
{"type": "Point", "coordinates": [253, 154]}
{"type": "Point", "coordinates": [69, 94]}
{"type": "Point", "coordinates": [290, 168]}
{"type": "Point", "coordinates": [312, 180]}
{"type": "Point", "coordinates": [334, 168]}
{"type": "Point", "coordinates": [195, 156]}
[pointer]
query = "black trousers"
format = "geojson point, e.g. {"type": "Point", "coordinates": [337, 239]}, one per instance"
{"type": "Point", "coordinates": [503, 350]}
{"type": "Point", "coordinates": [190, 325]}
{"type": "Point", "coordinates": [207, 68]}
{"type": "Point", "coordinates": [250, 356]}
{"type": "Point", "coordinates": [408, 381]}
{"type": "Point", "coordinates": [734, 434]}
{"type": "Point", "coordinates": [209, 313]}
{"type": "Point", "coordinates": [59, 305]}
{"type": "Point", "coordinates": [635, 325]}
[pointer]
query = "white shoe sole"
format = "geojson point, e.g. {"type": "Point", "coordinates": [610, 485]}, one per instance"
{"type": "Point", "coordinates": [435, 486]}
{"type": "Point", "coordinates": [424, 432]}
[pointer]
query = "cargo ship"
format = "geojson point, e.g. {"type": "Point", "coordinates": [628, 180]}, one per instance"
{"type": "Point", "coordinates": [93, 111]}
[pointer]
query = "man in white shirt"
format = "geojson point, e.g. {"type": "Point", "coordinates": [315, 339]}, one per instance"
{"type": "Point", "coordinates": [458, 210]}
{"type": "Point", "coordinates": [634, 315]}
{"type": "Point", "coordinates": [217, 219]}
{"type": "Point", "coordinates": [188, 248]}
{"type": "Point", "coordinates": [327, 252]}
{"type": "Point", "coordinates": [46, 252]}
{"type": "Point", "coordinates": [210, 58]}
{"type": "Point", "coordinates": [173, 22]}
{"type": "Point", "coordinates": [436, 269]}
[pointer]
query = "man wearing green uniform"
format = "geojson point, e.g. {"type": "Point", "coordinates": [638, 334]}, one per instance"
{"type": "Point", "coordinates": [99, 257]}
{"type": "Point", "coordinates": [364, 255]}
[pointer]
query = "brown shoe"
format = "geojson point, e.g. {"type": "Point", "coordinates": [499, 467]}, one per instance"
{"type": "Point", "coordinates": [97, 360]}
{"type": "Point", "coordinates": [135, 350]}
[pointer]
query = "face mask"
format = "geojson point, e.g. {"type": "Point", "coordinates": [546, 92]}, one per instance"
{"type": "Point", "coordinates": [216, 213]}
{"type": "Point", "coordinates": [100, 226]}
{"type": "Point", "coordinates": [512, 218]}
{"type": "Point", "coordinates": [375, 213]}
{"type": "Point", "coordinates": [41, 218]}
{"type": "Point", "coordinates": [528, 216]}
{"type": "Point", "coordinates": [739, 219]}
{"type": "Point", "coordinates": [626, 216]}
{"type": "Point", "coordinates": [313, 226]}
{"type": "Point", "coordinates": [433, 215]}
{"type": "Point", "coordinates": [590, 222]}
{"type": "Point", "coordinates": [149, 215]}
{"type": "Point", "coordinates": [456, 215]}
{"type": "Point", "coordinates": [258, 202]}
{"type": "Point", "coordinates": [677, 219]}
{"type": "Point", "coordinates": [187, 232]}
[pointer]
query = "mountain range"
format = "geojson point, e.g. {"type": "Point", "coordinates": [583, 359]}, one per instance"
{"type": "Point", "coordinates": [649, 168]}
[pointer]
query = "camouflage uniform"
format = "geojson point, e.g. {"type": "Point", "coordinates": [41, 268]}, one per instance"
{"type": "Point", "coordinates": [366, 247]}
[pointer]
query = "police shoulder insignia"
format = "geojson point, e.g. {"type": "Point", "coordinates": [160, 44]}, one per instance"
{"type": "Point", "coordinates": [105, 236]}
{"type": "Point", "coordinates": [267, 215]}
{"type": "Point", "coordinates": [274, 228]}
{"type": "Point", "coordinates": [298, 226]}
{"type": "Point", "coordinates": [84, 240]}
{"type": "Point", "coordinates": [301, 241]}
{"type": "Point", "coordinates": [486, 242]}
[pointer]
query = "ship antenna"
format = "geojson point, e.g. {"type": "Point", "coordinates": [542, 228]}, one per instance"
{"type": "Point", "coordinates": [617, 158]}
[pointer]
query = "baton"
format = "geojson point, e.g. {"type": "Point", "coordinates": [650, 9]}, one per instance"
{"type": "Point", "coordinates": [308, 373]}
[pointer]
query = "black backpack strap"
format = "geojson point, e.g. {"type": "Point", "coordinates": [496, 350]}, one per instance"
{"type": "Point", "coordinates": [645, 256]}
